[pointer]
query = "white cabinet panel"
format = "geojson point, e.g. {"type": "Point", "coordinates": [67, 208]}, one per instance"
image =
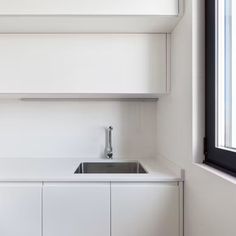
{"type": "Point", "coordinates": [76, 209]}
{"type": "Point", "coordinates": [81, 16]}
{"type": "Point", "coordinates": [144, 209]}
{"type": "Point", "coordinates": [84, 64]}
{"type": "Point", "coordinates": [84, 24]}
{"type": "Point", "coordinates": [20, 209]}
{"type": "Point", "coordinates": [90, 7]}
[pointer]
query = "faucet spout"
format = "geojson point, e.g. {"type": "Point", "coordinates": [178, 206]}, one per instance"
{"type": "Point", "coordinates": [109, 149]}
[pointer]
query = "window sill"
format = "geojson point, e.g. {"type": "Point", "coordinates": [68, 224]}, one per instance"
{"type": "Point", "coordinates": [218, 173]}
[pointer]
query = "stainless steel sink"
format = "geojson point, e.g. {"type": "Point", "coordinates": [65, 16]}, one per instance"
{"type": "Point", "coordinates": [110, 167]}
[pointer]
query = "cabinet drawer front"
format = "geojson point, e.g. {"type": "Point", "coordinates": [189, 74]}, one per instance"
{"type": "Point", "coordinates": [148, 209]}
{"type": "Point", "coordinates": [76, 209]}
{"type": "Point", "coordinates": [90, 7]}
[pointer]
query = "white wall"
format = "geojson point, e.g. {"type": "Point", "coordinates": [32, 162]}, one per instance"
{"type": "Point", "coordinates": [74, 129]}
{"type": "Point", "coordinates": [210, 201]}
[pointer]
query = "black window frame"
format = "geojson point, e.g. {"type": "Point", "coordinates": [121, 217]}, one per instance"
{"type": "Point", "coordinates": [224, 160]}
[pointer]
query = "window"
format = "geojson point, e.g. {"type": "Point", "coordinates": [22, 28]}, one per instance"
{"type": "Point", "coordinates": [221, 85]}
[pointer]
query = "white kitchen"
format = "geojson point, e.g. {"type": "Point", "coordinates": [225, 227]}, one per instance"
{"type": "Point", "coordinates": [117, 118]}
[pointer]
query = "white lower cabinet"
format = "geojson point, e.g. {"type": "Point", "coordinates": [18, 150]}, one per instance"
{"type": "Point", "coordinates": [90, 209]}
{"type": "Point", "coordinates": [145, 209]}
{"type": "Point", "coordinates": [76, 209]}
{"type": "Point", "coordinates": [20, 209]}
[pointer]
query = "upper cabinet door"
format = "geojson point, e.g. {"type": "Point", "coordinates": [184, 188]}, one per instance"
{"type": "Point", "coordinates": [149, 209]}
{"type": "Point", "coordinates": [102, 65]}
{"type": "Point", "coordinates": [20, 209]}
{"type": "Point", "coordinates": [73, 209]}
{"type": "Point", "coordinates": [89, 16]}
{"type": "Point", "coordinates": [89, 7]}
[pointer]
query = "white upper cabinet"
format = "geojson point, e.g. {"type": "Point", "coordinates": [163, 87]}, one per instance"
{"type": "Point", "coordinates": [84, 65]}
{"type": "Point", "coordinates": [89, 7]}
{"type": "Point", "coordinates": [89, 15]}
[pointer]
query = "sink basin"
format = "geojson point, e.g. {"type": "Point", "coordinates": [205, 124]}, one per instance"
{"type": "Point", "coordinates": [110, 167]}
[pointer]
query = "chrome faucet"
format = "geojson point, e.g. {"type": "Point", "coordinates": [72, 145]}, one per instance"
{"type": "Point", "coordinates": [108, 149]}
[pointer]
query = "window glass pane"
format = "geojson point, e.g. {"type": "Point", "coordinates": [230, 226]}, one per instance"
{"type": "Point", "coordinates": [233, 73]}
{"type": "Point", "coordinates": [226, 74]}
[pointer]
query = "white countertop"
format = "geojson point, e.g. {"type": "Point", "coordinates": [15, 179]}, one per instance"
{"type": "Point", "coordinates": [62, 170]}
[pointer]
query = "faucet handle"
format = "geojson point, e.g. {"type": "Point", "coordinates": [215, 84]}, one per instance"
{"type": "Point", "coordinates": [109, 149]}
